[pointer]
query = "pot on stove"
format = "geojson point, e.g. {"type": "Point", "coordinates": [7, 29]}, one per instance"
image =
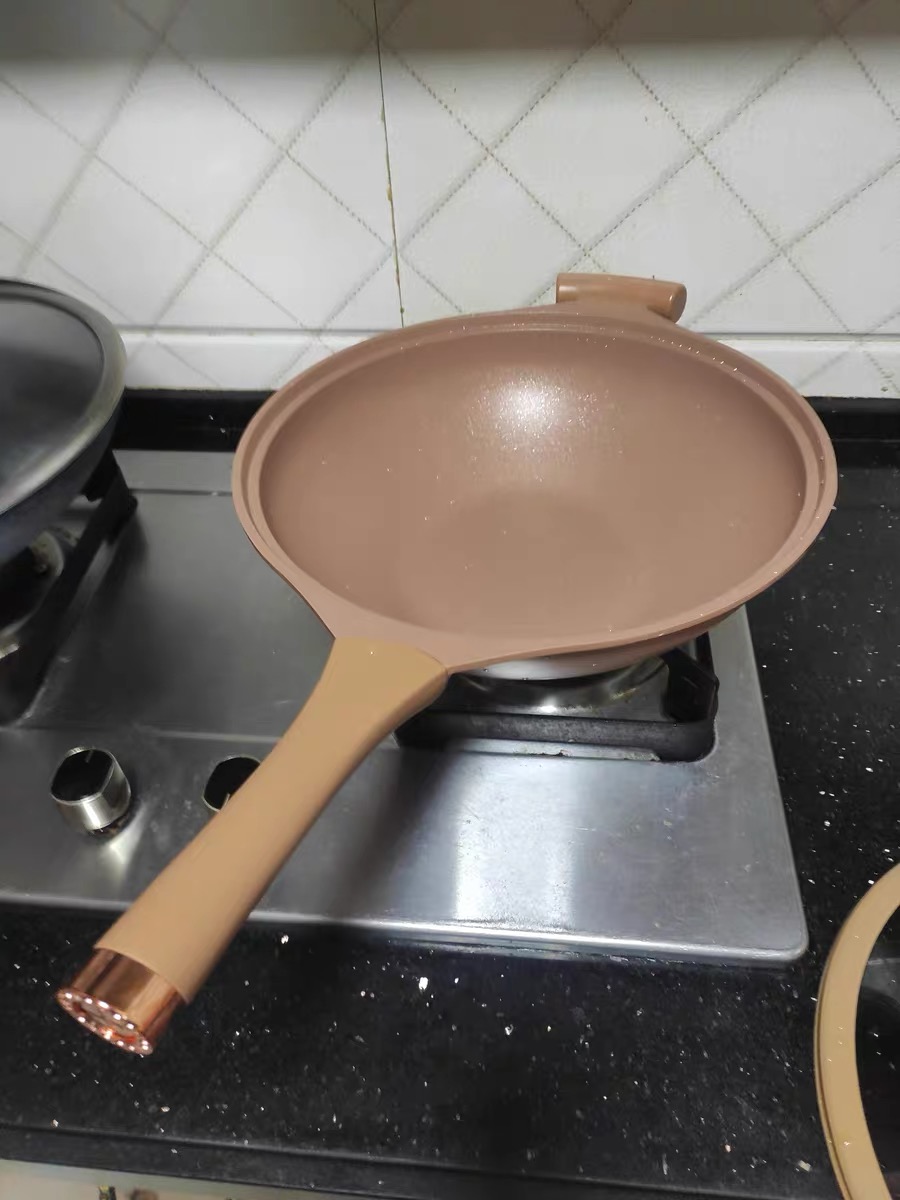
{"type": "Point", "coordinates": [579, 486]}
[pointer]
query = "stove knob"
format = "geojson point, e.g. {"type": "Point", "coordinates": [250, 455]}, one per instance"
{"type": "Point", "coordinates": [225, 779]}
{"type": "Point", "coordinates": [91, 791]}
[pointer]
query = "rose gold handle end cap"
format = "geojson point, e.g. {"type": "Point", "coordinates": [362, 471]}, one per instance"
{"type": "Point", "coordinates": [121, 1001]}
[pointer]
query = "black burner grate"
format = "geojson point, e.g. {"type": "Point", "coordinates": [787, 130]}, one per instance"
{"type": "Point", "coordinates": [669, 715]}
{"type": "Point", "coordinates": [64, 555]}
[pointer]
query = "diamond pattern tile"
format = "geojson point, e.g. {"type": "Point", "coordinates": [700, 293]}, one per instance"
{"type": "Point", "coordinates": [155, 14]}
{"type": "Point", "coordinates": [216, 295]}
{"type": "Point", "coordinates": [74, 61]}
{"type": "Point", "coordinates": [313, 349]}
{"type": "Point", "coordinates": [47, 273]}
{"type": "Point", "coordinates": [706, 60]}
{"type": "Point", "coordinates": [722, 242]}
{"type": "Point", "coordinates": [892, 324]}
{"type": "Point", "coordinates": [38, 159]}
{"type": "Point", "coordinates": [196, 167]}
{"type": "Point", "coordinates": [153, 365]}
{"type": "Point", "coordinates": [806, 130]}
{"type": "Point", "coordinates": [120, 244]}
{"type": "Point", "coordinates": [421, 299]}
{"type": "Point", "coordinates": [853, 373]}
{"type": "Point", "coordinates": [771, 300]}
{"type": "Point", "coordinates": [794, 359]}
{"type": "Point", "coordinates": [886, 357]}
{"type": "Point", "coordinates": [234, 361]}
{"type": "Point", "coordinates": [351, 117]}
{"type": "Point", "coordinates": [488, 63]}
{"type": "Point", "coordinates": [608, 117]}
{"type": "Point", "coordinates": [275, 59]}
{"type": "Point", "coordinates": [430, 151]}
{"type": "Point", "coordinates": [870, 34]}
{"type": "Point", "coordinates": [12, 248]}
{"type": "Point", "coordinates": [309, 265]}
{"type": "Point", "coordinates": [859, 274]}
{"type": "Point", "coordinates": [246, 187]}
{"type": "Point", "coordinates": [375, 304]}
{"type": "Point", "coordinates": [838, 10]}
{"type": "Point", "coordinates": [497, 259]}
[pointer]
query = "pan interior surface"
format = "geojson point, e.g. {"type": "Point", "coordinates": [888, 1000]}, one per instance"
{"type": "Point", "coordinates": [566, 484]}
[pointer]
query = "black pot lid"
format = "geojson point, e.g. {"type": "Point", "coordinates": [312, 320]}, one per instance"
{"type": "Point", "coordinates": [62, 368]}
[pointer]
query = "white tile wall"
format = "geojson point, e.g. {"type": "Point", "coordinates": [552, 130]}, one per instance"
{"type": "Point", "coordinates": [245, 186]}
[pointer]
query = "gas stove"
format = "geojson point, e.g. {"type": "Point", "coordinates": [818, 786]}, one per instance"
{"type": "Point", "coordinates": [634, 814]}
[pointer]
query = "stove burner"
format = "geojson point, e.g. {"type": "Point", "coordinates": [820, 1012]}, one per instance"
{"type": "Point", "coordinates": [38, 586]}
{"type": "Point", "coordinates": [661, 708]}
{"type": "Point", "coordinates": [25, 581]}
{"type": "Point", "coordinates": [225, 779]}
{"type": "Point", "coordinates": [585, 694]}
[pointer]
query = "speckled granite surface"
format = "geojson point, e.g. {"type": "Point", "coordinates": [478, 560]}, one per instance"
{"type": "Point", "coordinates": [331, 1064]}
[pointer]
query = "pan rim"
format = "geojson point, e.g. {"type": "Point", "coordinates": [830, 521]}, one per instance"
{"type": "Point", "coordinates": [455, 648]}
{"type": "Point", "coordinates": [97, 412]}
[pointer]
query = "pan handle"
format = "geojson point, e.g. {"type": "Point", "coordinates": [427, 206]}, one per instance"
{"type": "Point", "coordinates": [665, 299]}
{"type": "Point", "coordinates": [159, 952]}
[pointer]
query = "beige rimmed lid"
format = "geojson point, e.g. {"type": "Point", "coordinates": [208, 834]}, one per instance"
{"type": "Point", "coordinates": [853, 1157]}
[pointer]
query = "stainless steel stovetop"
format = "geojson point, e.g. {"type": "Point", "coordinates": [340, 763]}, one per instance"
{"type": "Point", "coordinates": [192, 651]}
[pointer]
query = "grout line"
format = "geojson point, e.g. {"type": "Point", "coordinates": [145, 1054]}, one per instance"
{"type": "Point", "coordinates": [161, 39]}
{"type": "Point", "coordinates": [781, 249]}
{"type": "Point", "coordinates": [101, 300]}
{"type": "Point", "coordinates": [839, 34]}
{"type": "Point", "coordinates": [288, 371]}
{"type": "Point", "coordinates": [123, 179]}
{"type": "Point", "coordinates": [885, 374]}
{"type": "Point", "coordinates": [697, 144]}
{"type": "Point", "coordinates": [282, 152]}
{"type": "Point", "coordinates": [4, 228]}
{"type": "Point", "coordinates": [864, 70]}
{"type": "Point", "coordinates": [820, 369]}
{"type": "Point", "coordinates": [361, 282]}
{"type": "Point", "coordinates": [873, 330]}
{"type": "Point", "coordinates": [387, 162]}
{"type": "Point", "coordinates": [411, 266]}
{"type": "Point", "coordinates": [601, 32]}
{"type": "Point", "coordinates": [152, 340]}
{"type": "Point", "coordinates": [369, 275]}
{"type": "Point", "coordinates": [820, 221]}
{"type": "Point", "coordinates": [487, 156]}
{"type": "Point", "coordinates": [834, 30]}
{"type": "Point", "coordinates": [90, 148]}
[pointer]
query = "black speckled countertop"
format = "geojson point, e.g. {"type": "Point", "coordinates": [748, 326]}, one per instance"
{"type": "Point", "coordinates": [395, 1070]}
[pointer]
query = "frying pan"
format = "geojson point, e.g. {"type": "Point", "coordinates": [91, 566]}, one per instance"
{"type": "Point", "coordinates": [62, 368]}
{"type": "Point", "coordinates": [581, 479]}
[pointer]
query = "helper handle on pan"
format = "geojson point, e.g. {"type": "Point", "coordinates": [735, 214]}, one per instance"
{"type": "Point", "coordinates": [160, 951]}
{"type": "Point", "coordinates": [659, 296]}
